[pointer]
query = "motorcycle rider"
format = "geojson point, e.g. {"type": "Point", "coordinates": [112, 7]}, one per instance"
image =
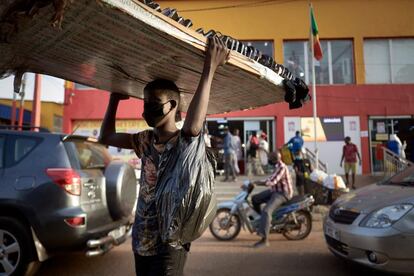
{"type": "Point", "coordinates": [280, 191]}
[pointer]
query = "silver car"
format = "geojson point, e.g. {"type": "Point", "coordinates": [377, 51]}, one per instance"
{"type": "Point", "coordinates": [374, 225]}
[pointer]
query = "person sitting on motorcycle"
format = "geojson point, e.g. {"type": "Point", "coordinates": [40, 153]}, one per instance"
{"type": "Point", "coordinates": [280, 191]}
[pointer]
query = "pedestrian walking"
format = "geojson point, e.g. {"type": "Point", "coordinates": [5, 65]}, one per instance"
{"type": "Point", "coordinates": [350, 154]}
{"type": "Point", "coordinates": [161, 101]}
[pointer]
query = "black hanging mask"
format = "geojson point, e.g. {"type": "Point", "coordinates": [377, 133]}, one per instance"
{"type": "Point", "coordinates": [154, 113]}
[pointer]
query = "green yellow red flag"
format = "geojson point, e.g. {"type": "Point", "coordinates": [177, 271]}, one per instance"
{"type": "Point", "coordinates": [317, 49]}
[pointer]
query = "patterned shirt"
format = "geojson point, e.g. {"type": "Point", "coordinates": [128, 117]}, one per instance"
{"type": "Point", "coordinates": [281, 181]}
{"type": "Point", "coordinates": [146, 238]}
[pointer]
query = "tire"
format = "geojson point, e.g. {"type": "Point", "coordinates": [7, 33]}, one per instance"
{"type": "Point", "coordinates": [304, 219]}
{"type": "Point", "coordinates": [121, 189]}
{"type": "Point", "coordinates": [220, 224]}
{"type": "Point", "coordinates": [16, 236]}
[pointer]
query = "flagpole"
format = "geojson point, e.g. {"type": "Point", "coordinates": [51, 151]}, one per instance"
{"type": "Point", "coordinates": [314, 92]}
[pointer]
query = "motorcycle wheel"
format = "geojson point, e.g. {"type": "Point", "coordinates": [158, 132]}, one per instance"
{"type": "Point", "coordinates": [303, 228]}
{"type": "Point", "coordinates": [225, 226]}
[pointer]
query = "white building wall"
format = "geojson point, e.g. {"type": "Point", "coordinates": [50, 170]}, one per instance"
{"type": "Point", "coordinates": [329, 152]}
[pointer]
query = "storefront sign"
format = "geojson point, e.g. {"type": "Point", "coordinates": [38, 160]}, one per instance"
{"type": "Point", "coordinates": [381, 127]}
{"type": "Point", "coordinates": [327, 129]}
{"type": "Point", "coordinates": [291, 126]}
{"type": "Point", "coordinates": [381, 137]}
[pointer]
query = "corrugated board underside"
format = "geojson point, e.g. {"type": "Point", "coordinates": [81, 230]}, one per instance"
{"type": "Point", "coordinates": [105, 47]}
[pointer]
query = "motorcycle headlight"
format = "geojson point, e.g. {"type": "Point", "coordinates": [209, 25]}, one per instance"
{"type": "Point", "coordinates": [387, 216]}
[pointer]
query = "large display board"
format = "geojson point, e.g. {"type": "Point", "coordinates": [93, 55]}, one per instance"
{"type": "Point", "coordinates": [120, 45]}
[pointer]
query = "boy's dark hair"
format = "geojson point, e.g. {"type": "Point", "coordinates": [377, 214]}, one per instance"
{"type": "Point", "coordinates": [347, 138]}
{"type": "Point", "coordinates": [166, 86]}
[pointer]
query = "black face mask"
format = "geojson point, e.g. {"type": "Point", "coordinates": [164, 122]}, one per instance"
{"type": "Point", "coordinates": [153, 112]}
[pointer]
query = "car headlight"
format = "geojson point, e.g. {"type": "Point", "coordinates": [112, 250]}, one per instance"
{"type": "Point", "coordinates": [387, 216]}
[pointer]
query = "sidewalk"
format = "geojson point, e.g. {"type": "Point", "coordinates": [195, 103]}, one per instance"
{"type": "Point", "coordinates": [228, 190]}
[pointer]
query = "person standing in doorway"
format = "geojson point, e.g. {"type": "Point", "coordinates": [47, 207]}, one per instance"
{"type": "Point", "coordinates": [263, 151]}
{"type": "Point", "coordinates": [236, 142]}
{"type": "Point", "coordinates": [394, 144]}
{"type": "Point", "coordinates": [229, 154]}
{"type": "Point", "coordinates": [350, 154]}
{"type": "Point", "coordinates": [253, 164]}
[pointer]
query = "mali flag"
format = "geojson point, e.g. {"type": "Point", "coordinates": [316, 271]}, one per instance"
{"type": "Point", "coordinates": [317, 49]}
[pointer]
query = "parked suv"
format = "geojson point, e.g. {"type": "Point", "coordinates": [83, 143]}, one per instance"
{"type": "Point", "coordinates": [60, 193]}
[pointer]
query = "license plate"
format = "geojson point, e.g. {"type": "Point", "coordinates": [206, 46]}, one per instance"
{"type": "Point", "coordinates": [332, 232]}
{"type": "Point", "coordinates": [117, 233]}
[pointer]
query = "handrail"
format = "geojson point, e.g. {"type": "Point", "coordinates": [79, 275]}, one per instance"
{"type": "Point", "coordinates": [393, 163]}
{"type": "Point", "coordinates": [312, 158]}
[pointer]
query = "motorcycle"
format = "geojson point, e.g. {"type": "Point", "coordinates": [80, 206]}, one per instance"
{"type": "Point", "coordinates": [293, 219]}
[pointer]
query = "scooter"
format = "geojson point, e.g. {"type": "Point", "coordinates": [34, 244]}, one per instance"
{"type": "Point", "coordinates": [293, 219]}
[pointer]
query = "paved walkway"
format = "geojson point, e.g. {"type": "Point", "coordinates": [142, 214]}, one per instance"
{"type": "Point", "coordinates": [228, 190]}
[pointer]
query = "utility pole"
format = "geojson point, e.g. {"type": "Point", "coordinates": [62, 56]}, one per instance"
{"type": "Point", "coordinates": [21, 110]}
{"type": "Point", "coordinates": [36, 105]}
{"type": "Point", "coordinates": [13, 110]}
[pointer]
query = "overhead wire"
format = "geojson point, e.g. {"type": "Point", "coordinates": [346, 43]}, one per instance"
{"type": "Point", "coordinates": [251, 4]}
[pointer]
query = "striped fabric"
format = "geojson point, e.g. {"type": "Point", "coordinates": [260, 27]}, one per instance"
{"type": "Point", "coordinates": [280, 180]}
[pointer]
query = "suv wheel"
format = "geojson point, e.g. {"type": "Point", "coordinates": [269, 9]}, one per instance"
{"type": "Point", "coordinates": [14, 247]}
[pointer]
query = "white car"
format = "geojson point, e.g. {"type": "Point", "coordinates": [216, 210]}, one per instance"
{"type": "Point", "coordinates": [374, 226]}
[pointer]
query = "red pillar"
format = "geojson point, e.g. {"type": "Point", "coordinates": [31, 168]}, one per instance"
{"type": "Point", "coordinates": [280, 131]}
{"type": "Point", "coordinates": [365, 154]}
{"type": "Point", "coordinates": [13, 110]}
{"type": "Point", "coordinates": [36, 108]}
{"type": "Point", "coordinates": [21, 111]}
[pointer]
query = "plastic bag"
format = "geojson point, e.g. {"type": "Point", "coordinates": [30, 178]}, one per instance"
{"type": "Point", "coordinates": [286, 155]}
{"type": "Point", "coordinates": [318, 176]}
{"type": "Point", "coordinates": [334, 182]}
{"type": "Point", "coordinates": [185, 198]}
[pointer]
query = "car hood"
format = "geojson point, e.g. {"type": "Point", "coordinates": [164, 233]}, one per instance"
{"type": "Point", "coordinates": [375, 196]}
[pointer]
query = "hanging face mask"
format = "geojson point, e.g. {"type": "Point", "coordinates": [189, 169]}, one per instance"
{"type": "Point", "coordinates": [154, 113]}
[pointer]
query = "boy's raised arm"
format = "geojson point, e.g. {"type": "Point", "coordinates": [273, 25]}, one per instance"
{"type": "Point", "coordinates": [108, 135]}
{"type": "Point", "coordinates": [217, 54]}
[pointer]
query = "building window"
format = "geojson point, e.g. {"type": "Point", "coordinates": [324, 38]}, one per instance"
{"type": "Point", "coordinates": [57, 123]}
{"type": "Point", "coordinates": [264, 46]}
{"type": "Point", "coordinates": [336, 66]}
{"type": "Point", "coordinates": [389, 60]}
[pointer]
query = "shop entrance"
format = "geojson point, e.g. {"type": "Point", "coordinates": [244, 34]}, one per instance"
{"type": "Point", "coordinates": [380, 129]}
{"type": "Point", "coordinates": [246, 127]}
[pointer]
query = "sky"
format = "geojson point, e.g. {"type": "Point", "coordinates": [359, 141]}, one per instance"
{"type": "Point", "coordinates": [52, 89]}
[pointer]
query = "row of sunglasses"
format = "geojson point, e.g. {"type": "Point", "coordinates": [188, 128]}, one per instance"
{"type": "Point", "coordinates": [231, 43]}
{"type": "Point", "coordinates": [297, 92]}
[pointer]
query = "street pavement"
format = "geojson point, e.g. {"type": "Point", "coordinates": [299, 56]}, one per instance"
{"type": "Point", "coordinates": [210, 257]}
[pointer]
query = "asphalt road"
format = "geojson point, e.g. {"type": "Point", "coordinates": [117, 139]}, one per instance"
{"type": "Point", "coordinates": [210, 257]}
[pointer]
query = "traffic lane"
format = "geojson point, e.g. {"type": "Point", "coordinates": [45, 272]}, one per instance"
{"type": "Point", "coordinates": [283, 257]}
{"type": "Point", "coordinates": [212, 257]}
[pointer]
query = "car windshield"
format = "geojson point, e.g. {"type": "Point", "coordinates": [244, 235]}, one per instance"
{"type": "Point", "coordinates": [406, 177]}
